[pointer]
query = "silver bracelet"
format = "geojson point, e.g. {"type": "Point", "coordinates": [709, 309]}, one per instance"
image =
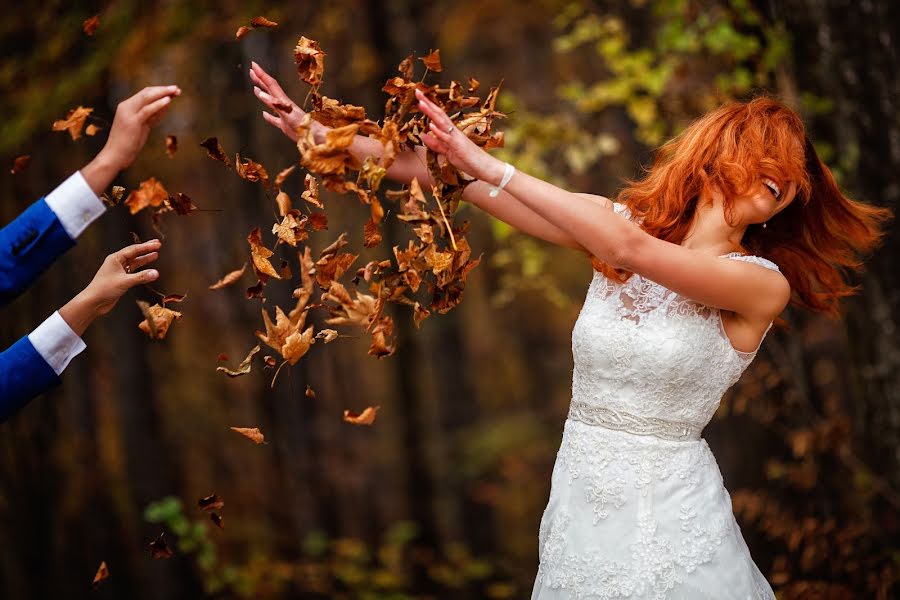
{"type": "Point", "coordinates": [508, 172]}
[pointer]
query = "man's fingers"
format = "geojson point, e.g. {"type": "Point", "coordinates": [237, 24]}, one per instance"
{"type": "Point", "coordinates": [141, 261]}
{"type": "Point", "coordinates": [130, 253]}
{"type": "Point", "coordinates": [140, 277]}
{"type": "Point", "coordinates": [154, 93]}
{"type": "Point", "coordinates": [151, 109]}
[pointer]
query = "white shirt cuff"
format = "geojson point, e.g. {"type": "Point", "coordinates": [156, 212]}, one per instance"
{"type": "Point", "coordinates": [56, 342]}
{"type": "Point", "coordinates": [75, 204]}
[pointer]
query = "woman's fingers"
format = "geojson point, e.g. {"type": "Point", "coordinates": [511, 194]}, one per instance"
{"type": "Point", "coordinates": [270, 118]}
{"type": "Point", "coordinates": [270, 82]}
{"type": "Point", "coordinates": [265, 98]}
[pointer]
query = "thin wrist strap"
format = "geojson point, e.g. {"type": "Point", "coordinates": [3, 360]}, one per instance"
{"type": "Point", "coordinates": [508, 172]}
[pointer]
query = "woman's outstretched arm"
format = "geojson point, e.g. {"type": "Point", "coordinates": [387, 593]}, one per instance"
{"type": "Point", "coordinates": [411, 164]}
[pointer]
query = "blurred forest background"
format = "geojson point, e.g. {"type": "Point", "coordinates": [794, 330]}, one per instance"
{"type": "Point", "coordinates": [442, 496]}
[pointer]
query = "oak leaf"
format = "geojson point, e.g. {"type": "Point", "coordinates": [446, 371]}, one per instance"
{"type": "Point", "coordinates": [251, 433]}
{"type": "Point", "coordinates": [74, 121]}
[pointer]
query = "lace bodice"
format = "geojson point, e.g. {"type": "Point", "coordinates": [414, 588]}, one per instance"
{"type": "Point", "coordinates": [650, 361]}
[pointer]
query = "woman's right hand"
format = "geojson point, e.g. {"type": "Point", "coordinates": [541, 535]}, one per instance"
{"type": "Point", "coordinates": [288, 115]}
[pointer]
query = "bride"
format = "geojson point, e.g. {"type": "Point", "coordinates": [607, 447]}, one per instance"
{"type": "Point", "coordinates": [736, 218]}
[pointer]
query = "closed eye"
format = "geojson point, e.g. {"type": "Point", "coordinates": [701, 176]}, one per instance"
{"type": "Point", "coordinates": [773, 187]}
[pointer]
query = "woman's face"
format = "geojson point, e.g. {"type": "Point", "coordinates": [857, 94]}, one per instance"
{"type": "Point", "coordinates": [766, 198]}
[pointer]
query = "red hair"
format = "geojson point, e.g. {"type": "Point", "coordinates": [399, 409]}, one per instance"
{"type": "Point", "coordinates": [818, 236]}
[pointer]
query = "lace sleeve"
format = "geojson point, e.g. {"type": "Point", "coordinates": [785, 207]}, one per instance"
{"type": "Point", "coordinates": [623, 210]}
{"type": "Point", "coordinates": [756, 260]}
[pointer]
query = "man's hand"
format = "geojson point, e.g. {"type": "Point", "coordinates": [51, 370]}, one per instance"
{"type": "Point", "coordinates": [128, 134]}
{"type": "Point", "coordinates": [119, 273]}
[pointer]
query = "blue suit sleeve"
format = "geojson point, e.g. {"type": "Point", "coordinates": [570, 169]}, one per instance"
{"type": "Point", "coordinates": [28, 246]}
{"type": "Point", "coordinates": [24, 374]}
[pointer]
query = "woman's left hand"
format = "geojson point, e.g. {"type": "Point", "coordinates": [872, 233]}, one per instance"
{"type": "Point", "coordinates": [464, 154]}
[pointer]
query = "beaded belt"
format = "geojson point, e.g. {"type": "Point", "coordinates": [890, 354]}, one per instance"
{"type": "Point", "coordinates": [590, 414]}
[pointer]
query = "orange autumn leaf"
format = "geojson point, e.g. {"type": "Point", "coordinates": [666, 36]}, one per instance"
{"type": "Point", "coordinates": [229, 278]}
{"type": "Point", "coordinates": [215, 150]}
{"type": "Point", "coordinates": [19, 164]}
{"type": "Point", "coordinates": [257, 22]}
{"type": "Point", "coordinates": [282, 175]}
{"type": "Point", "coordinates": [243, 368]}
{"type": "Point", "coordinates": [251, 171]}
{"type": "Point", "coordinates": [242, 31]}
{"type": "Point", "coordinates": [366, 417]}
{"type": "Point", "coordinates": [171, 145]}
{"type": "Point", "coordinates": [91, 129]}
{"type": "Point", "coordinates": [157, 320]}
{"type": "Point", "coordinates": [251, 433]}
{"type": "Point", "coordinates": [102, 574]}
{"type": "Point", "coordinates": [333, 156]}
{"type": "Point", "coordinates": [284, 203]}
{"type": "Point", "coordinates": [311, 194]}
{"type": "Point", "coordinates": [90, 25]}
{"type": "Point", "coordinates": [150, 193]}
{"type": "Point", "coordinates": [74, 121]}
{"type": "Point", "coordinates": [310, 61]}
{"type": "Point", "coordinates": [433, 61]}
{"type": "Point", "coordinates": [260, 255]}
{"type": "Point", "coordinates": [286, 334]}
{"type": "Point", "coordinates": [291, 229]}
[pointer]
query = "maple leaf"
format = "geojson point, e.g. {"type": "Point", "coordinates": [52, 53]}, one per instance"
{"type": "Point", "coordinates": [251, 433]}
{"type": "Point", "coordinates": [285, 335]}
{"type": "Point", "coordinates": [74, 121]}
{"type": "Point", "coordinates": [215, 150]}
{"type": "Point", "coordinates": [291, 229]}
{"type": "Point", "coordinates": [90, 25]}
{"type": "Point", "coordinates": [159, 548]}
{"type": "Point", "coordinates": [282, 175]}
{"type": "Point", "coordinates": [19, 164]}
{"type": "Point", "coordinates": [433, 61]}
{"type": "Point", "coordinates": [160, 317]}
{"type": "Point", "coordinates": [310, 61]}
{"type": "Point", "coordinates": [243, 368]}
{"type": "Point", "coordinates": [348, 311]}
{"type": "Point", "coordinates": [211, 502]}
{"type": "Point", "coordinates": [366, 417]}
{"type": "Point", "coordinates": [260, 255]}
{"type": "Point", "coordinates": [257, 22]}
{"type": "Point", "coordinates": [171, 145]}
{"type": "Point", "coordinates": [251, 171]}
{"type": "Point", "coordinates": [102, 574]}
{"type": "Point", "coordinates": [150, 193]}
{"type": "Point", "coordinates": [229, 278]}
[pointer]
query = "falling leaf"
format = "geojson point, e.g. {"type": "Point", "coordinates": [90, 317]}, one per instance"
{"type": "Point", "coordinates": [173, 298]}
{"type": "Point", "coordinates": [329, 335]}
{"type": "Point", "coordinates": [159, 548]}
{"type": "Point", "coordinates": [433, 61]}
{"type": "Point", "coordinates": [171, 145]}
{"type": "Point", "coordinates": [251, 433]}
{"type": "Point", "coordinates": [181, 204]}
{"type": "Point", "coordinates": [90, 25]}
{"type": "Point", "coordinates": [366, 417]}
{"type": "Point", "coordinates": [371, 234]}
{"type": "Point", "coordinates": [102, 574]}
{"type": "Point", "coordinates": [217, 519]}
{"type": "Point", "coordinates": [215, 150]}
{"type": "Point", "coordinates": [311, 194]}
{"type": "Point", "coordinates": [282, 175]}
{"type": "Point", "coordinates": [251, 171]}
{"type": "Point", "coordinates": [242, 31]}
{"type": "Point", "coordinates": [229, 279]}
{"type": "Point", "coordinates": [310, 61]}
{"type": "Point", "coordinates": [91, 129]}
{"type": "Point", "coordinates": [406, 67]}
{"type": "Point", "coordinates": [19, 164]}
{"type": "Point", "coordinates": [270, 361]}
{"type": "Point", "coordinates": [150, 193]}
{"type": "Point", "coordinates": [161, 318]}
{"type": "Point", "coordinates": [284, 203]}
{"type": "Point", "coordinates": [74, 121]}
{"type": "Point", "coordinates": [211, 502]}
{"type": "Point", "coordinates": [257, 22]}
{"type": "Point", "coordinates": [318, 221]}
{"type": "Point", "coordinates": [291, 229]}
{"type": "Point", "coordinates": [310, 393]}
{"type": "Point", "coordinates": [286, 335]}
{"type": "Point", "coordinates": [260, 255]}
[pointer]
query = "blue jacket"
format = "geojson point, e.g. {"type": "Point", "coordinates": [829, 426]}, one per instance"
{"type": "Point", "coordinates": [28, 246]}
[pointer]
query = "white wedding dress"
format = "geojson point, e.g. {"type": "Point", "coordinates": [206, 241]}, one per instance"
{"type": "Point", "coordinates": [638, 508]}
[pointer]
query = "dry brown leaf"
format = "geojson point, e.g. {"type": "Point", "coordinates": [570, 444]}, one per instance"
{"type": "Point", "coordinates": [329, 335]}
{"type": "Point", "coordinates": [217, 520]}
{"type": "Point", "coordinates": [251, 171]}
{"type": "Point", "coordinates": [257, 22]}
{"type": "Point", "coordinates": [310, 393]}
{"type": "Point", "coordinates": [260, 255]}
{"type": "Point", "coordinates": [19, 164]}
{"type": "Point", "coordinates": [211, 502]}
{"type": "Point", "coordinates": [433, 61]}
{"type": "Point", "coordinates": [102, 574]}
{"type": "Point", "coordinates": [251, 433]}
{"type": "Point", "coordinates": [74, 121]}
{"type": "Point", "coordinates": [229, 278]}
{"type": "Point", "coordinates": [171, 145]}
{"type": "Point", "coordinates": [284, 203]}
{"type": "Point", "coordinates": [291, 229]}
{"type": "Point", "coordinates": [282, 175]}
{"type": "Point", "coordinates": [162, 319]}
{"type": "Point", "coordinates": [215, 150]}
{"type": "Point", "coordinates": [241, 32]}
{"type": "Point", "coordinates": [243, 368]}
{"type": "Point", "coordinates": [366, 417]}
{"type": "Point", "coordinates": [318, 221]}
{"type": "Point", "coordinates": [150, 193]}
{"type": "Point", "coordinates": [310, 61]}
{"type": "Point", "coordinates": [90, 25]}
{"type": "Point", "coordinates": [311, 194]}
{"type": "Point", "coordinates": [91, 129]}
{"type": "Point", "coordinates": [159, 548]}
